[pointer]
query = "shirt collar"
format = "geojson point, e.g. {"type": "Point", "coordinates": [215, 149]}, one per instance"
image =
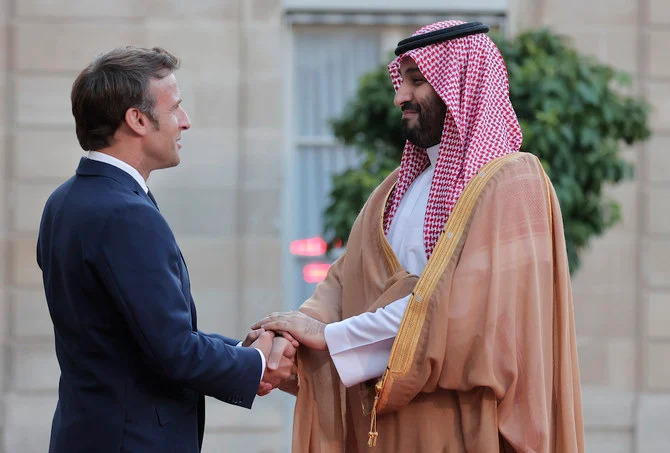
{"type": "Point", "coordinates": [111, 160]}
{"type": "Point", "coordinates": [433, 151]}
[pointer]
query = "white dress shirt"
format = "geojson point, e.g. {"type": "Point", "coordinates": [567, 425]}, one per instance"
{"type": "Point", "coordinates": [132, 171]}
{"type": "Point", "coordinates": [360, 346]}
{"type": "Point", "coordinates": [111, 160]}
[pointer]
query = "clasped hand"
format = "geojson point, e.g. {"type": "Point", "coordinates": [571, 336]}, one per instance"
{"type": "Point", "coordinates": [306, 330]}
{"type": "Point", "coordinates": [280, 334]}
{"type": "Point", "coordinates": [279, 352]}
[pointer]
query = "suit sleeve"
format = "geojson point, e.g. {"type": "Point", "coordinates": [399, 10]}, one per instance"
{"type": "Point", "coordinates": [140, 265]}
{"type": "Point", "coordinates": [227, 340]}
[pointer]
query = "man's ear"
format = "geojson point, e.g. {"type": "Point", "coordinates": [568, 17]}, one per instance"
{"type": "Point", "coordinates": [137, 121]}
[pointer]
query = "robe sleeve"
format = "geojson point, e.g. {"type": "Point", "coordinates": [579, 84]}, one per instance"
{"type": "Point", "coordinates": [326, 302]}
{"type": "Point", "coordinates": [319, 406]}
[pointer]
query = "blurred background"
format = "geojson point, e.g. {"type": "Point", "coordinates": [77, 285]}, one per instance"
{"type": "Point", "coordinates": [261, 79]}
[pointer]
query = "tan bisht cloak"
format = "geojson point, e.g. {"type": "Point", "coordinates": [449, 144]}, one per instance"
{"type": "Point", "coordinates": [485, 359]}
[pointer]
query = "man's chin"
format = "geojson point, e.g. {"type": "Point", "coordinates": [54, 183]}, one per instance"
{"type": "Point", "coordinates": [409, 132]}
{"type": "Point", "coordinates": [176, 158]}
{"type": "Point", "coordinates": [416, 141]}
{"type": "Point", "coordinates": [170, 164]}
{"type": "Point", "coordinates": [410, 124]}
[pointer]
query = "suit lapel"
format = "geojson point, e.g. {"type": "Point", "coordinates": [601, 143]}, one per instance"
{"type": "Point", "coordinates": [90, 167]}
{"type": "Point", "coordinates": [194, 316]}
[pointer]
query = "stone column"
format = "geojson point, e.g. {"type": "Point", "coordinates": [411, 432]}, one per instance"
{"type": "Point", "coordinates": [654, 407]}
{"type": "Point", "coordinates": [5, 114]}
{"type": "Point", "coordinates": [257, 161]}
{"type": "Point", "coordinates": [223, 201]}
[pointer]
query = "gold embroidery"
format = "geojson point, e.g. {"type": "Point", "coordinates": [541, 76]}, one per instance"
{"type": "Point", "coordinates": [407, 339]}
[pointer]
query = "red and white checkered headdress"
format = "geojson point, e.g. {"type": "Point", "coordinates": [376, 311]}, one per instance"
{"type": "Point", "coordinates": [469, 75]}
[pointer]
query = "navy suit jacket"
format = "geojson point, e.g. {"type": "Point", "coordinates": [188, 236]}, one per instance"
{"type": "Point", "coordinates": [134, 366]}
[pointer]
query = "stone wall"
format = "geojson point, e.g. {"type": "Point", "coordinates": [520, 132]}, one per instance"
{"type": "Point", "coordinates": [4, 303]}
{"type": "Point", "coordinates": [223, 201]}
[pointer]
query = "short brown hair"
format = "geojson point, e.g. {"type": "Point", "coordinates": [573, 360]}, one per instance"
{"type": "Point", "coordinates": [114, 82]}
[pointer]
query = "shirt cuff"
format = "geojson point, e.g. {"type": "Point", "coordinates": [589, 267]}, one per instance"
{"type": "Point", "coordinates": [262, 360]}
{"type": "Point", "coordinates": [366, 328]}
{"type": "Point", "coordinates": [262, 364]}
{"type": "Point", "coordinates": [360, 346]}
{"type": "Point", "coordinates": [363, 363]}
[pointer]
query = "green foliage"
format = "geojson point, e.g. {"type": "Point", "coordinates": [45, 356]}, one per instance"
{"type": "Point", "coordinates": [572, 113]}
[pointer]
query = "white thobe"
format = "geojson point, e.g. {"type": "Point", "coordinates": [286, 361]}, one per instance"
{"type": "Point", "coordinates": [360, 346]}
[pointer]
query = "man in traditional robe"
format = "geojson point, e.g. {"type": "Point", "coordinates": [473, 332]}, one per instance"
{"type": "Point", "coordinates": [447, 326]}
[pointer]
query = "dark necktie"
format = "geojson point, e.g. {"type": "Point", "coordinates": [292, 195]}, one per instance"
{"type": "Point", "coordinates": [152, 198]}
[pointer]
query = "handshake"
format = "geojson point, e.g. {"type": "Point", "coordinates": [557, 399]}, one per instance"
{"type": "Point", "coordinates": [278, 336]}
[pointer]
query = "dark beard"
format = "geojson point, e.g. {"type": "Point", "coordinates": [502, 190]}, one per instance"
{"type": "Point", "coordinates": [428, 130]}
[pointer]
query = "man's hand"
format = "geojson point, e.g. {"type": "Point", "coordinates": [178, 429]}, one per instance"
{"type": "Point", "coordinates": [308, 331]}
{"type": "Point", "coordinates": [263, 342]}
{"type": "Point", "coordinates": [252, 336]}
{"type": "Point", "coordinates": [280, 365]}
{"type": "Point", "coordinates": [255, 333]}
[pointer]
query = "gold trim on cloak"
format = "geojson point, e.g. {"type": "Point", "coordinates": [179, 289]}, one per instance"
{"type": "Point", "coordinates": [409, 332]}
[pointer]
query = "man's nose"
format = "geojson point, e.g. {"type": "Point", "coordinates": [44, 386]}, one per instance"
{"type": "Point", "coordinates": [185, 122]}
{"type": "Point", "coordinates": [402, 95]}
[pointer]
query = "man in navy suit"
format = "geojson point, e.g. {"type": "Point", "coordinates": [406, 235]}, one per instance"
{"type": "Point", "coordinates": [134, 366]}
